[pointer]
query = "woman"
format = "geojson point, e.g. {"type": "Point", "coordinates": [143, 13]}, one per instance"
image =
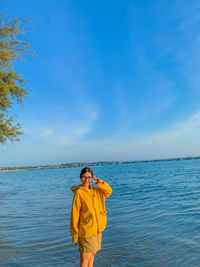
{"type": "Point", "coordinates": [88, 216]}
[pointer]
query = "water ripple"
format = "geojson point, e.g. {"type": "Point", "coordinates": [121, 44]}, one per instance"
{"type": "Point", "coordinates": [153, 216]}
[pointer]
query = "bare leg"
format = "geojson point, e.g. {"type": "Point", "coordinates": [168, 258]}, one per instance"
{"type": "Point", "coordinates": [91, 259]}
{"type": "Point", "coordinates": [85, 259]}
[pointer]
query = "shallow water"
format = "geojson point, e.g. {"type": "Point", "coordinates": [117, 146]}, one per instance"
{"type": "Point", "coordinates": [153, 216]}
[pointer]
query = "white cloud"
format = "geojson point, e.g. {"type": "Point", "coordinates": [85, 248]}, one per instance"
{"type": "Point", "coordinates": [46, 132]}
{"type": "Point", "coordinates": [180, 140]}
{"type": "Point", "coordinates": [39, 131]}
{"type": "Point", "coordinates": [70, 132]}
{"type": "Point", "coordinates": [189, 33]}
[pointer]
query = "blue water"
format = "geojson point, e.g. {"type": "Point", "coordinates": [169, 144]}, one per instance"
{"type": "Point", "coordinates": [153, 216]}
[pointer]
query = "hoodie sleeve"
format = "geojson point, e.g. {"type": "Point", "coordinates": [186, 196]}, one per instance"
{"type": "Point", "coordinates": [105, 188]}
{"type": "Point", "coordinates": [74, 219]}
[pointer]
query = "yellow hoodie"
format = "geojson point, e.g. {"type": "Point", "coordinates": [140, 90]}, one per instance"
{"type": "Point", "coordinates": [88, 215]}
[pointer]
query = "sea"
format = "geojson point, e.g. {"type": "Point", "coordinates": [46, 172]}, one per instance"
{"type": "Point", "coordinates": [153, 216]}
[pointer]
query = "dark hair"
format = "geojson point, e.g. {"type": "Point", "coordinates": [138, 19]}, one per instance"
{"type": "Point", "coordinates": [86, 169]}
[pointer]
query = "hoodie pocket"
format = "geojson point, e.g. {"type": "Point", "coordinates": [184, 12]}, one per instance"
{"type": "Point", "coordinates": [86, 218]}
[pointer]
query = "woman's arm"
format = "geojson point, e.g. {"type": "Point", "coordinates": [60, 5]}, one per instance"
{"type": "Point", "coordinates": [74, 219]}
{"type": "Point", "coordinates": [103, 186]}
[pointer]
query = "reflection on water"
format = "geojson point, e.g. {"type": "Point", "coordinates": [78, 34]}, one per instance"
{"type": "Point", "coordinates": [153, 216]}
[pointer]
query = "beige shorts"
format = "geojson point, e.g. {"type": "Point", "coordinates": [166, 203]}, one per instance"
{"type": "Point", "coordinates": [90, 244]}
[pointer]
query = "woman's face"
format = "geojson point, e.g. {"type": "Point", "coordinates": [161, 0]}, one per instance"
{"type": "Point", "coordinates": [86, 179]}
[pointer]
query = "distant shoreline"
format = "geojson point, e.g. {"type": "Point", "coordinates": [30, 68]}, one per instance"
{"type": "Point", "coordinates": [11, 170]}
{"type": "Point", "coordinates": [79, 164]}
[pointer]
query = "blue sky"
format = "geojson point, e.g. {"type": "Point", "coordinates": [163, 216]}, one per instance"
{"type": "Point", "coordinates": [112, 80]}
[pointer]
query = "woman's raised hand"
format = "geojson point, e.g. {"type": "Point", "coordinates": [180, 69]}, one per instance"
{"type": "Point", "coordinates": [96, 181]}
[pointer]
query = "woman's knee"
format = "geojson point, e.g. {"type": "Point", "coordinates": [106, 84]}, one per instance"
{"type": "Point", "coordinates": [85, 257]}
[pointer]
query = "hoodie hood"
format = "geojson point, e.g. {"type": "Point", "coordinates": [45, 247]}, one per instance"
{"type": "Point", "coordinates": [74, 188]}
